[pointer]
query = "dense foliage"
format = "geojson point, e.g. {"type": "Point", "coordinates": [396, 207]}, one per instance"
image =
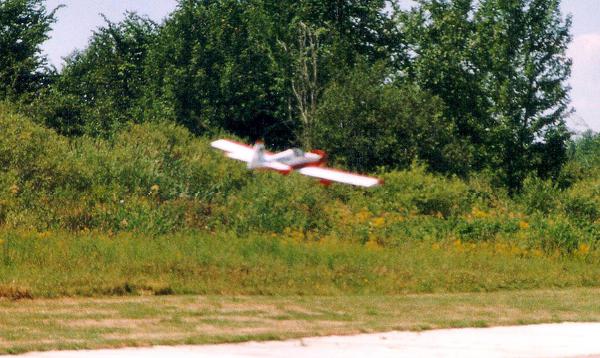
{"type": "Point", "coordinates": [158, 179]}
{"type": "Point", "coordinates": [24, 26]}
{"type": "Point", "coordinates": [484, 80]}
{"type": "Point", "coordinates": [474, 88]}
{"type": "Point", "coordinates": [501, 69]}
{"type": "Point", "coordinates": [366, 125]}
{"type": "Point", "coordinates": [101, 88]}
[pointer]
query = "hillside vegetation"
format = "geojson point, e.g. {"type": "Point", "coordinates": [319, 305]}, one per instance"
{"type": "Point", "coordinates": [108, 184]}
{"type": "Point", "coordinates": [156, 209]}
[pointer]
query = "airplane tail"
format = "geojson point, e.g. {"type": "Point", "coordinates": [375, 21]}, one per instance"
{"type": "Point", "coordinates": [258, 159]}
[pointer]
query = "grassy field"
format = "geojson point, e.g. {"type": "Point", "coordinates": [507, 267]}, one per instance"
{"type": "Point", "coordinates": [77, 323]}
{"type": "Point", "coordinates": [62, 264]}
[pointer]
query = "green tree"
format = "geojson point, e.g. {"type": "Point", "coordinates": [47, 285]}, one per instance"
{"type": "Point", "coordinates": [500, 67]}
{"type": "Point", "coordinates": [305, 78]}
{"type": "Point", "coordinates": [101, 87]}
{"type": "Point", "coordinates": [326, 39]}
{"type": "Point", "coordinates": [24, 26]}
{"type": "Point", "coordinates": [365, 122]}
{"type": "Point", "coordinates": [213, 67]}
{"type": "Point", "coordinates": [585, 150]}
{"type": "Point", "coordinates": [357, 30]}
{"type": "Point", "coordinates": [522, 53]}
{"type": "Point", "coordinates": [440, 39]}
{"type": "Point", "coordinates": [227, 63]}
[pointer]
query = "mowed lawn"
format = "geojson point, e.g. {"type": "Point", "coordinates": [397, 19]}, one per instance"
{"type": "Point", "coordinates": [76, 323]}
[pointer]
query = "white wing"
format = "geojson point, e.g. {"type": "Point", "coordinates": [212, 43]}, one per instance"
{"type": "Point", "coordinates": [234, 150]}
{"type": "Point", "coordinates": [339, 176]}
{"type": "Point", "coordinates": [237, 150]}
{"type": "Point", "coordinates": [243, 156]}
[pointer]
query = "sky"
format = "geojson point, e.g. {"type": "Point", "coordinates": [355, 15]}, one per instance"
{"type": "Point", "coordinates": [78, 19]}
{"type": "Point", "coordinates": [585, 52]}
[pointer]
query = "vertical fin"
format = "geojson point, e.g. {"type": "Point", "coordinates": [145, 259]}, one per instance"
{"type": "Point", "coordinates": [258, 159]}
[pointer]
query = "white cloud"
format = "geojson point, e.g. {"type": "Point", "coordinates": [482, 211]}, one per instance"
{"type": "Point", "coordinates": [585, 79]}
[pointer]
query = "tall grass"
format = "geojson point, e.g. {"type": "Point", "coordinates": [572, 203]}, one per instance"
{"type": "Point", "coordinates": [58, 264]}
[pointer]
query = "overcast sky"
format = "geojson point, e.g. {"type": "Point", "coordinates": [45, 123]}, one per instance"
{"type": "Point", "coordinates": [80, 17]}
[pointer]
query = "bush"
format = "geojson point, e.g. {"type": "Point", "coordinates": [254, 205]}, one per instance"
{"type": "Point", "coordinates": [419, 192]}
{"type": "Point", "coordinates": [539, 195]}
{"type": "Point", "coordinates": [560, 236]}
{"type": "Point", "coordinates": [272, 203]}
{"type": "Point", "coordinates": [151, 178]}
{"type": "Point", "coordinates": [481, 229]}
{"type": "Point", "coordinates": [157, 178]}
{"type": "Point", "coordinates": [582, 202]}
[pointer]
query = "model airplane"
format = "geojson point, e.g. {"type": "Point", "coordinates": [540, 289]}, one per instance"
{"type": "Point", "coordinates": [309, 164]}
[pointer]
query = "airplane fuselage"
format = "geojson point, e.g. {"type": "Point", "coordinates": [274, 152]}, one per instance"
{"type": "Point", "coordinates": [296, 158]}
{"type": "Point", "coordinates": [304, 163]}
{"type": "Point", "coordinates": [284, 161]}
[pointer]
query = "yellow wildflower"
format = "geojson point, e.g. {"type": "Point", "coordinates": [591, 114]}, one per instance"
{"type": "Point", "coordinates": [14, 189]}
{"type": "Point", "coordinates": [583, 249]}
{"type": "Point", "coordinates": [363, 215]}
{"type": "Point", "coordinates": [479, 214]}
{"type": "Point", "coordinates": [378, 222]}
{"type": "Point", "coordinates": [154, 189]}
{"type": "Point", "coordinates": [523, 225]}
{"type": "Point", "coordinates": [538, 253]}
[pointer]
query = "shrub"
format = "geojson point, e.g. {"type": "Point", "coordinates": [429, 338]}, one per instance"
{"type": "Point", "coordinates": [560, 236]}
{"type": "Point", "coordinates": [486, 228]}
{"type": "Point", "coordinates": [419, 192]}
{"type": "Point", "coordinates": [37, 156]}
{"type": "Point", "coordinates": [152, 178]}
{"type": "Point", "coordinates": [582, 208]}
{"type": "Point", "coordinates": [539, 195]}
{"type": "Point", "coordinates": [274, 203]}
{"type": "Point", "coordinates": [157, 178]}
